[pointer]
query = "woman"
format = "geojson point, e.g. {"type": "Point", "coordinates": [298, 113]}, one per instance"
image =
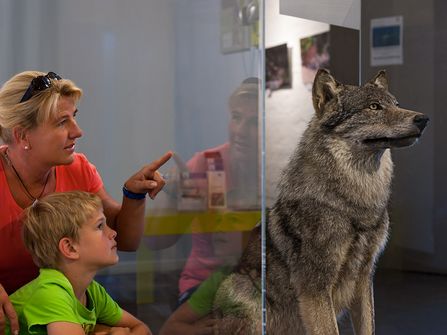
{"type": "Point", "coordinates": [238, 158]}
{"type": "Point", "coordinates": [38, 126]}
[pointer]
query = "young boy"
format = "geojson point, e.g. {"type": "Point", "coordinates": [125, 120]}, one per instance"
{"type": "Point", "coordinates": [67, 235]}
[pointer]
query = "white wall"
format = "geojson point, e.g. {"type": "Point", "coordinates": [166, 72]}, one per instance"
{"type": "Point", "coordinates": [205, 77]}
{"type": "Point", "coordinates": [121, 54]}
{"type": "Point", "coordinates": [288, 111]}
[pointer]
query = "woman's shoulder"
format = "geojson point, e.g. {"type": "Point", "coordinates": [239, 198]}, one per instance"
{"type": "Point", "coordinates": [200, 157]}
{"type": "Point", "coordinates": [80, 174]}
{"type": "Point", "coordinates": [80, 161]}
{"type": "Point", "coordinates": [218, 149]}
{"type": "Point", "coordinates": [79, 158]}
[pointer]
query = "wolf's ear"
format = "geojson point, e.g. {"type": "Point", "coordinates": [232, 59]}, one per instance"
{"type": "Point", "coordinates": [380, 80]}
{"type": "Point", "coordinates": [324, 89]}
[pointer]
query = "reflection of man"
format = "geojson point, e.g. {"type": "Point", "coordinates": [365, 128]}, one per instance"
{"type": "Point", "coordinates": [239, 157]}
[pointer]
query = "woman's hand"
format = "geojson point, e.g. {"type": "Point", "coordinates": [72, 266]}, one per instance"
{"type": "Point", "coordinates": [148, 179]}
{"type": "Point", "coordinates": [7, 312]}
{"type": "Point", "coordinates": [128, 218]}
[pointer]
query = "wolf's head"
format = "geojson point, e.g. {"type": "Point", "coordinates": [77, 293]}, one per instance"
{"type": "Point", "coordinates": [367, 116]}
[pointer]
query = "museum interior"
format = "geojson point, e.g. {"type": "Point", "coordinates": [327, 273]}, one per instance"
{"type": "Point", "coordinates": [226, 85]}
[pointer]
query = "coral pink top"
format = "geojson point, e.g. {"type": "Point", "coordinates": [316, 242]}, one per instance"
{"type": "Point", "coordinates": [202, 261]}
{"type": "Point", "coordinates": [16, 266]}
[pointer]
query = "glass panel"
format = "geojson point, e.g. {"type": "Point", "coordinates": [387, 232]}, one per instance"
{"type": "Point", "coordinates": [213, 196]}
{"type": "Point", "coordinates": [161, 75]}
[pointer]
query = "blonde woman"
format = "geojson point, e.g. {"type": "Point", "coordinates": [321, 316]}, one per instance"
{"type": "Point", "coordinates": [38, 126]}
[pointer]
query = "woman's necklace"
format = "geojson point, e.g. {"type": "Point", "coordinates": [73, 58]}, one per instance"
{"type": "Point", "coordinates": [28, 193]}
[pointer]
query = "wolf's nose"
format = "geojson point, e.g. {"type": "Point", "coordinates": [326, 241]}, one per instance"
{"type": "Point", "coordinates": [421, 121]}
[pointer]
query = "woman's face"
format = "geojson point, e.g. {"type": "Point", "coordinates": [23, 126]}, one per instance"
{"type": "Point", "coordinates": [243, 128]}
{"type": "Point", "coordinates": [53, 142]}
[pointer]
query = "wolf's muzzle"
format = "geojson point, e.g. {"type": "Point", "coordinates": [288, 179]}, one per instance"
{"type": "Point", "coordinates": [421, 121]}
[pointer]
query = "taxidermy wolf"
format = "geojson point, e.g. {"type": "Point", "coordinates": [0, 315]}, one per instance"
{"type": "Point", "coordinates": [329, 222]}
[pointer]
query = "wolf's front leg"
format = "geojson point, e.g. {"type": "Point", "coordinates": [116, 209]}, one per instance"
{"type": "Point", "coordinates": [362, 308]}
{"type": "Point", "coordinates": [318, 315]}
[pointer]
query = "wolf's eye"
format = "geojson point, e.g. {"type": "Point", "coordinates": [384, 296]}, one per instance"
{"type": "Point", "coordinates": [374, 106]}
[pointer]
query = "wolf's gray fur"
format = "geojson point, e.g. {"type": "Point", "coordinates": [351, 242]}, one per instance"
{"type": "Point", "coordinates": [329, 222]}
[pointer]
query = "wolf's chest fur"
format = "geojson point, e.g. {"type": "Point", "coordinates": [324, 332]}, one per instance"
{"type": "Point", "coordinates": [330, 220]}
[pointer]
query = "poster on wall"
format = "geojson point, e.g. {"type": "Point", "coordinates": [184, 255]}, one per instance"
{"type": "Point", "coordinates": [314, 55]}
{"type": "Point", "coordinates": [386, 38]}
{"type": "Point", "coordinates": [277, 70]}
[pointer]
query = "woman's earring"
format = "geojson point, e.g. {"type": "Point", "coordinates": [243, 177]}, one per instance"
{"type": "Point", "coordinates": [26, 147]}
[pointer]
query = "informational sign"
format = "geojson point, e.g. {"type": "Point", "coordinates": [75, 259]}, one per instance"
{"type": "Point", "coordinates": [387, 41]}
{"type": "Point", "coordinates": [217, 191]}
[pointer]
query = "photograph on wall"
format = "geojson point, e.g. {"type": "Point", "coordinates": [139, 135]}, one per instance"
{"type": "Point", "coordinates": [277, 70]}
{"type": "Point", "coordinates": [314, 55]}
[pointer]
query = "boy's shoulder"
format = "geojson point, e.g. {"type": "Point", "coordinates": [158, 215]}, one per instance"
{"type": "Point", "coordinates": [201, 301]}
{"type": "Point", "coordinates": [50, 298]}
{"type": "Point", "coordinates": [51, 283]}
{"type": "Point", "coordinates": [42, 300]}
{"type": "Point", "coordinates": [47, 281]}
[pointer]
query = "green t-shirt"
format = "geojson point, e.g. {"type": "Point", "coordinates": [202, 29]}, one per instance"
{"type": "Point", "coordinates": [50, 298]}
{"type": "Point", "coordinates": [201, 301]}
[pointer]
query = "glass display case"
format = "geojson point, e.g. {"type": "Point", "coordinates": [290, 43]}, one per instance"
{"type": "Point", "coordinates": [226, 85]}
{"type": "Point", "coordinates": [160, 75]}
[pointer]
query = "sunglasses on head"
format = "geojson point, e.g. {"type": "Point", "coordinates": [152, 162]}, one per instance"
{"type": "Point", "coordinates": [38, 84]}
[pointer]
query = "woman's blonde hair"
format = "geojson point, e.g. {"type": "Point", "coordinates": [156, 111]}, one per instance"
{"type": "Point", "coordinates": [54, 217]}
{"type": "Point", "coordinates": [35, 111]}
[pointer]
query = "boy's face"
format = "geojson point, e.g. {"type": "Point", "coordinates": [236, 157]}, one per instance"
{"type": "Point", "coordinates": [97, 245]}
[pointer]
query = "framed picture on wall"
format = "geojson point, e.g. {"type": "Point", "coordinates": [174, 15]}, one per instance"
{"type": "Point", "coordinates": [277, 70]}
{"type": "Point", "coordinates": [314, 55]}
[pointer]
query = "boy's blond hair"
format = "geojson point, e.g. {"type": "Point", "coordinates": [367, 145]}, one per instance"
{"type": "Point", "coordinates": [54, 217]}
{"type": "Point", "coordinates": [41, 107]}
